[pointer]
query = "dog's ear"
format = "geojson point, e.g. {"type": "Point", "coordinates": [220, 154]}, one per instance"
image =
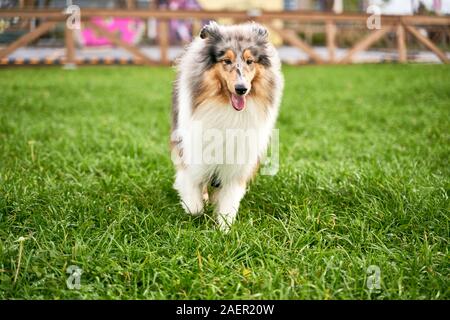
{"type": "Point", "coordinates": [211, 30]}
{"type": "Point", "coordinates": [260, 31]}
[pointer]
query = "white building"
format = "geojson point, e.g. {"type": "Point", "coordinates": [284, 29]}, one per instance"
{"type": "Point", "coordinates": [394, 7]}
{"type": "Point", "coordinates": [404, 7]}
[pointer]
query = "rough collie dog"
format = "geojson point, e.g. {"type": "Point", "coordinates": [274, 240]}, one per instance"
{"type": "Point", "coordinates": [227, 92]}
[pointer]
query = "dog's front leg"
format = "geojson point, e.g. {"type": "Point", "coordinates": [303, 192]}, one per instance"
{"type": "Point", "coordinates": [191, 193]}
{"type": "Point", "coordinates": [227, 201]}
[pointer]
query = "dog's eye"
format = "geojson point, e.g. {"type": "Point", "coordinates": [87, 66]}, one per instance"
{"type": "Point", "coordinates": [227, 61]}
{"type": "Point", "coordinates": [249, 62]}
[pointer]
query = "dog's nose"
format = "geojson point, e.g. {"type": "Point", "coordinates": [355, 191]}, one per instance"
{"type": "Point", "coordinates": [240, 89]}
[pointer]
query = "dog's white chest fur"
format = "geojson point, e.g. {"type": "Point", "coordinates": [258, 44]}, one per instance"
{"type": "Point", "coordinates": [231, 142]}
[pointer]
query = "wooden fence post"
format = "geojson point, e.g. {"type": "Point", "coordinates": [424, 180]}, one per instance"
{"type": "Point", "coordinates": [401, 44]}
{"type": "Point", "coordinates": [330, 29]}
{"type": "Point", "coordinates": [163, 35]}
{"type": "Point", "coordinates": [69, 62]}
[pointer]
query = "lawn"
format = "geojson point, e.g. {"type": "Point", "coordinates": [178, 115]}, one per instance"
{"type": "Point", "coordinates": [86, 180]}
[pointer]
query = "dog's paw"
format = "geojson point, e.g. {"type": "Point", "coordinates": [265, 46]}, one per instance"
{"type": "Point", "coordinates": [193, 206]}
{"type": "Point", "coordinates": [224, 223]}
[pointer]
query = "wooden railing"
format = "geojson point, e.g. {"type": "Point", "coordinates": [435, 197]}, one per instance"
{"type": "Point", "coordinates": [400, 25]}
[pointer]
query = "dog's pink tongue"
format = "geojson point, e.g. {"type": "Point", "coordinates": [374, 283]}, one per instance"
{"type": "Point", "coordinates": [238, 102]}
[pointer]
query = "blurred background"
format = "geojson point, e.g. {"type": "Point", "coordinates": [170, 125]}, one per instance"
{"type": "Point", "coordinates": [155, 31]}
{"type": "Point", "coordinates": [86, 175]}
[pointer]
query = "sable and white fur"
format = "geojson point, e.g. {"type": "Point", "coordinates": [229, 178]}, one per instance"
{"type": "Point", "coordinates": [215, 65]}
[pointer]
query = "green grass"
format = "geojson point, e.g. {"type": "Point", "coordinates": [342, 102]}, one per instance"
{"type": "Point", "coordinates": [85, 178]}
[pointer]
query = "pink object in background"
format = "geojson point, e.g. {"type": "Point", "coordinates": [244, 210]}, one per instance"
{"type": "Point", "coordinates": [130, 31]}
{"type": "Point", "coordinates": [437, 5]}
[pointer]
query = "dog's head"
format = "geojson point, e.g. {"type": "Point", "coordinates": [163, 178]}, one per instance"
{"type": "Point", "coordinates": [236, 54]}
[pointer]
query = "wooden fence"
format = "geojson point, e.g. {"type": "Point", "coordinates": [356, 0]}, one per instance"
{"type": "Point", "coordinates": [399, 25]}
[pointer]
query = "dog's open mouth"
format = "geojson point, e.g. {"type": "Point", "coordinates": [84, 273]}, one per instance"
{"type": "Point", "coordinates": [238, 102]}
